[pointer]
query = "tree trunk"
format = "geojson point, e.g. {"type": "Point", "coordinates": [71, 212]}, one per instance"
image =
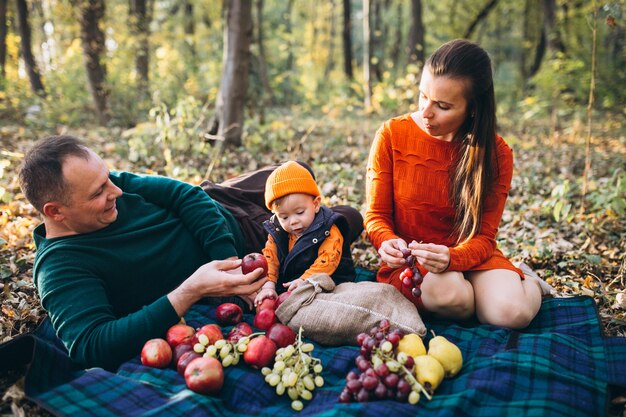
{"type": "Point", "coordinates": [90, 12]}
{"type": "Point", "coordinates": [27, 52]}
{"type": "Point", "coordinates": [234, 85]}
{"type": "Point", "coordinates": [330, 63]}
{"type": "Point", "coordinates": [394, 55]}
{"type": "Point", "coordinates": [3, 36]}
{"type": "Point", "coordinates": [416, 34]}
{"type": "Point", "coordinates": [540, 52]}
{"type": "Point", "coordinates": [288, 90]}
{"type": "Point", "coordinates": [532, 23]}
{"type": "Point", "coordinates": [267, 88]}
{"type": "Point", "coordinates": [482, 15]}
{"type": "Point", "coordinates": [140, 28]}
{"type": "Point", "coordinates": [380, 33]}
{"type": "Point", "coordinates": [367, 43]}
{"type": "Point", "coordinates": [347, 40]}
{"type": "Point", "coordinates": [190, 31]}
{"type": "Point", "coordinates": [554, 40]}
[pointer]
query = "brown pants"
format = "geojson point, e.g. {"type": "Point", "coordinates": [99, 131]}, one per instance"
{"type": "Point", "coordinates": [244, 198]}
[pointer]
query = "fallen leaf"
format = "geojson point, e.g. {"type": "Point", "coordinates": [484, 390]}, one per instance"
{"type": "Point", "coordinates": [620, 301]}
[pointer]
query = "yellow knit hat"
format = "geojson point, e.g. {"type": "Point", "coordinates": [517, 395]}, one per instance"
{"type": "Point", "coordinates": [289, 178]}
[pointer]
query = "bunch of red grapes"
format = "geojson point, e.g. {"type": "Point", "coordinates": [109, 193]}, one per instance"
{"type": "Point", "coordinates": [411, 276]}
{"type": "Point", "coordinates": [380, 373]}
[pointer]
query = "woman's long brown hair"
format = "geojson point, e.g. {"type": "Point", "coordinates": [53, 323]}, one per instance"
{"type": "Point", "coordinates": [475, 164]}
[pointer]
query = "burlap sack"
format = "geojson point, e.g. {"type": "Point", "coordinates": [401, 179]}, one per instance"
{"type": "Point", "coordinates": [335, 315]}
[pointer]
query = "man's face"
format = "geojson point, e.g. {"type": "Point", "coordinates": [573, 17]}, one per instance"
{"type": "Point", "coordinates": [91, 203]}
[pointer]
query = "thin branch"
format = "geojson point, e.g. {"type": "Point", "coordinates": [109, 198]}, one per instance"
{"type": "Point", "coordinates": [592, 88]}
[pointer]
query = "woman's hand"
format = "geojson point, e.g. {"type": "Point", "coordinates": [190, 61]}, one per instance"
{"type": "Point", "coordinates": [391, 252]}
{"type": "Point", "coordinates": [435, 258]}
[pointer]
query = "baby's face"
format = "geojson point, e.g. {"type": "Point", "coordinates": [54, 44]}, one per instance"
{"type": "Point", "coordinates": [296, 212]}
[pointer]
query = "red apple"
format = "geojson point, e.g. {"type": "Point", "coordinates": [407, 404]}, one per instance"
{"type": "Point", "coordinates": [185, 360]}
{"type": "Point", "coordinates": [212, 331]}
{"type": "Point", "coordinates": [179, 351]}
{"type": "Point", "coordinates": [267, 304]}
{"type": "Point", "coordinates": [179, 334]}
{"type": "Point", "coordinates": [238, 331]}
{"type": "Point", "coordinates": [228, 313]}
{"type": "Point", "coordinates": [264, 319]}
{"type": "Point", "coordinates": [252, 261]}
{"type": "Point", "coordinates": [260, 352]}
{"type": "Point", "coordinates": [281, 335]}
{"type": "Point", "coordinates": [204, 375]}
{"type": "Point", "coordinates": [156, 353]}
{"type": "Point", "coordinates": [282, 297]}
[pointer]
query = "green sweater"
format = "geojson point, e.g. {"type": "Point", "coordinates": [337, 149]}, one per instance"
{"type": "Point", "coordinates": [105, 291]}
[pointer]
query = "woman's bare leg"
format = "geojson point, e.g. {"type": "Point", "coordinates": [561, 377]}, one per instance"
{"type": "Point", "coordinates": [448, 295]}
{"type": "Point", "coordinates": [503, 299]}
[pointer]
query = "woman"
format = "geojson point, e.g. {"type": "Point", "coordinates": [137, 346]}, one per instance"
{"type": "Point", "coordinates": [437, 182]}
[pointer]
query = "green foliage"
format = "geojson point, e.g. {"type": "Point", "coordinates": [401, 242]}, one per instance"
{"type": "Point", "coordinates": [610, 195]}
{"type": "Point", "coordinates": [171, 133]}
{"type": "Point", "coordinates": [560, 202]}
{"type": "Point", "coordinates": [606, 197]}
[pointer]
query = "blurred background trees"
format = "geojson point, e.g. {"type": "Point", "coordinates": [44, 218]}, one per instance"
{"type": "Point", "coordinates": [128, 62]}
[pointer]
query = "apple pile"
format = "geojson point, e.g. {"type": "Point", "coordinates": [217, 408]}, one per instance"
{"type": "Point", "coordinates": [184, 346]}
{"type": "Point", "coordinates": [295, 372]}
{"type": "Point", "coordinates": [202, 375]}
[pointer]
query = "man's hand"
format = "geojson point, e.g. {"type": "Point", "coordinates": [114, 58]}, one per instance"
{"type": "Point", "coordinates": [435, 258]}
{"type": "Point", "coordinates": [215, 279]}
{"type": "Point", "coordinates": [391, 252]}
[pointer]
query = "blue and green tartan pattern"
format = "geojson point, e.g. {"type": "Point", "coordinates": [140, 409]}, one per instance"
{"type": "Point", "coordinates": [560, 365]}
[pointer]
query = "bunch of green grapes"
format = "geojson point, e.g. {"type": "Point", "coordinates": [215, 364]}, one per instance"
{"type": "Point", "coordinates": [295, 372]}
{"type": "Point", "coordinates": [228, 352]}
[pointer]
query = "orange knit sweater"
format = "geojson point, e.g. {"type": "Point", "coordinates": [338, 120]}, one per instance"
{"type": "Point", "coordinates": [407, 196]}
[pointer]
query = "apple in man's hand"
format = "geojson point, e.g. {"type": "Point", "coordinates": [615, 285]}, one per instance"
{"type": "Point", "coordinates": [204, 375]}
{"type": "Point", "coordinates": [252, 261]}
{"type": "Point", "coordinates": [156, 353]}
{"type": "Point", "coordinates": [179, 334]}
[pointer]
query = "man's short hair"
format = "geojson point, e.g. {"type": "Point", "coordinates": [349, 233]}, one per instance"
{"type": "Point", "coordinates": [41, 175]}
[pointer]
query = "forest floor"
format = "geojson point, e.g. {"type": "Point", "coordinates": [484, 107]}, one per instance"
{"type": "Point", "coordinates": [580, 254]}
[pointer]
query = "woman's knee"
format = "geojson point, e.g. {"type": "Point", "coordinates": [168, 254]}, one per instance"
{"type": "Point", "coordinates": [505, 313]}
{"type": "Point", "coordinates": [449, 295]}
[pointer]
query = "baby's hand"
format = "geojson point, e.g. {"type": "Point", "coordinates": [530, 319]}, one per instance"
{"type": "Point", "coordinates": [263, 294]}
{"type": "Point", "coordinates": [292, 285]}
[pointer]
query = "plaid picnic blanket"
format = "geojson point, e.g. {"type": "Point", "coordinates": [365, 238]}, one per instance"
{"type": "Point", "coordinates": [560, 365]}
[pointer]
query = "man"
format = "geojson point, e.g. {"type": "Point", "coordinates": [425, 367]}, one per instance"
{"type": "Point", "coordinates": [120, 257]}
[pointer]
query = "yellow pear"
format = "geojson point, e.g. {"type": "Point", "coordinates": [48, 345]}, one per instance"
{"type": "Point", "coordinates": [447, 353]}
{"type": "Point", "coordinates": [428, 372]}
{"type": "Point", "coordinates": [412, 344]}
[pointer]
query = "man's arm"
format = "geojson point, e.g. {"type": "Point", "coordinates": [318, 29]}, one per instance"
{"type": "Point", "coordinates": [95, 336]}
{"type": "Point", "coordinates": [199, 213]}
